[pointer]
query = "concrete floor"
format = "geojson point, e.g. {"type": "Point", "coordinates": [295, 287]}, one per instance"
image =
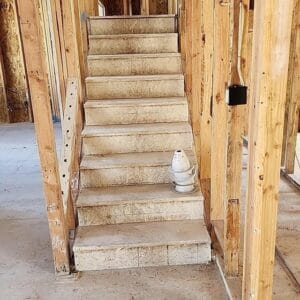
{"type": "Point", "coordinates": [26, 266]}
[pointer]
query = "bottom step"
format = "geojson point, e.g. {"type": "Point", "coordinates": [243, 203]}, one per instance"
{"type": "Point", "coordinates": [142, 245]}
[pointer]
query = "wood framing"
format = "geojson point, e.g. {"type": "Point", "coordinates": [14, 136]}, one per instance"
{"type": "Point", "coordinates": [126, 7]}
{"type": "Point", "coordinates": [32, 28]}
{"type": "Point", "coordinates": [68, 175]}
{"type": "Point", "coordinates": [272, 31]}
{"type": "Point", "coordinates": [234, 157]}
{"type": "Point", "coordinates": [219, 108]}
{"type": "Point", "coordinates": [293, 94]}
{"type": "Point", "coordinates": [207, 48]}
{"type": "Point", "coordinates": [145, 10]}
{"type": "Point", "coordinates": [17, 96]}
{"type": "Point", "coordinates": [4, 115]}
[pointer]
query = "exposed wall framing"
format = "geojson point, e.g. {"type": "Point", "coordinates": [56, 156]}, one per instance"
{"type": "Point", "coordinates": [18, 103]}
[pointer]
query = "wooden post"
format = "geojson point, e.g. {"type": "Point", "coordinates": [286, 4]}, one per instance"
{"type": "Point", "coordinates": [4, 115]}
{"type": "Point", "coordinates": [188, 52]}
{"type": "Point", "coordinates": [293, 93]}
{"type": "Point", "coordinates": [144, 7]}
{"type": "Point", "coordinates": [219, 108]}
{"type": "Point", "coordinates": [207, 48]}
{"type": "Point", "coordinates": [32, 29]}
{"type": "Point", "coordinates": [272, 31]}
{"type": "Point", "coordinates": [195, 64]}
{"type": "Point", "coordinates": [234, 158]}
{"type": "Point", "coordinates": [126, 7]}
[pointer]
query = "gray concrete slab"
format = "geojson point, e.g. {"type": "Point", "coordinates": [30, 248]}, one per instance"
{"type": "Point", "coordinates": [26, 266]}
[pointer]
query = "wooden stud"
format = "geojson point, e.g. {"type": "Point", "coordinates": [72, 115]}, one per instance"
{"type": "Point", "coordinates": [17, 95]}
{"type": "Point", "coordinates": [196, 73]}
{"type": "Point", "coordinates": [144, 7]}
{"type": "Point", "coordinates": [272, 31]}
{"type": "Point", "coordinates": [219, 109]}
{"type": "Point", "coordinates": [32, 29]}
{"type": "Point", "coordinates": [188, 52]}
{"type": "Point", "coordinates": [125, 7]}
{"type": "Point", "coordinates": [4, 115]}
{"type": "Point", "coordinates": [207, 32]}
{"type": "Point", "coordinates": [68, 175]}
{"type": "Point", "coordinates": [293, 93]}
{"type": "Point", "coordinates": [234, 158]}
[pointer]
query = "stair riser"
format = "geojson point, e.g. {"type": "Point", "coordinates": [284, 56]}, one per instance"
{"type": "Point", "coordinates": [137, 143]}
{"type": "Point", "coordinates": [136, 114]}
{"type": "Point", "coordinates": [128, 26]}
{"type": "Point", "coordinates": [119, 258]}
{"type": "Point", "coordinates": [125, 176]}
{"type": "Point", "coordinates": [135, 89]}
{"type": "Point", "coordinates": [140, 212]}
{"type": "Point", "coordinates": [133, 45]}
{"type": "Point", "coordinates": [134, 66]}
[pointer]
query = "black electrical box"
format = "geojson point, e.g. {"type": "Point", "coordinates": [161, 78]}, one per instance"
{"type": "Point", "coordinates": [237, 95]}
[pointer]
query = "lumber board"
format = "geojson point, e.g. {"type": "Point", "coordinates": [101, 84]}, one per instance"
{"type": "Point", "coordinates": [70, 177]}
{"type": "Point", "coordinates": [4, 115]}
{"type": "Point", "coordinates": [293, 93]}
{"type": "Point", "coordinates": [36, 65]}
{"type": "Point", "coordinates": [145, 9]}
{"type": "Point", "coordinates": [17, 95]}
{"type": "Point", "coordinates": [196, 73]}
{"type": "Point", "coordinates": [271, 43]}
{"type": "Point", "coordinates": [219, 109]}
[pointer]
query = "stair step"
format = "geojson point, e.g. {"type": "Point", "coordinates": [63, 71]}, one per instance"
{"type": "Point", "coordinates": [136, 111]}
{"type": "Point", "coordinates": [133, 43]}
{"type": "Point", "coordinates": [150, 86]}
{"type": "Point", "coordinates": [134, 64]}
{"type": "Point", "coordinates": [154, 137]}
{"type": "Point", "coordinates": [132, 24]}
{"type": "Point", "coordinates": [127, 168]}
{"type": "Point", "coordinates": [137, 203]}
{"type": "Point", "coordinates": [141, 245]}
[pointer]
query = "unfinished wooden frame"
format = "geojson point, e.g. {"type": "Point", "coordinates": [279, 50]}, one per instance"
{"type": "Point", "coordinates": [272, 32]}
{"type": "Point", "coordinates": [31, 23]}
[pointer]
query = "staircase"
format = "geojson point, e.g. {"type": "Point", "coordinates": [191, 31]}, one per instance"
{"type": "Point", "coordinates": [136, 116]}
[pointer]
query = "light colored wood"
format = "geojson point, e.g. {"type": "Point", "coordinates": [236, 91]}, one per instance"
{"type": "Point", "coordinates": [188, 51]}
{"type": "Point", "coordinates": [18, 100]}
{"type": "Point", "coordinates": [272, 31]}
{"type": "Point", "coordinates": [182, 36]}
{"type": "Point", "coordinates": [207, 32]}
{"type": "Point", "coordinates": [4, 115]}
{"type": "Point", "coordinates": [91, 7]}
{"type": "Point", "coordinates": [32, 29]}
{"type": "Point", "coordinates": [195, 61]}
{"type": "Point", "coordinates": [56, 103]}
{"type": "Point", "coordinates": [145, 7]}
{"type": "Point", "coordinates": [69, 178]}
{"type": "Point", "coordinates": [246, 31]}
{"type": "Point", "coordinates": [172, 7]}
{"type": "Point", "coordinates": [219, 109]}
{"type": "Point", "coordinates": [293, 94]}
{"type": "Point", "coordinates": [234, 158]}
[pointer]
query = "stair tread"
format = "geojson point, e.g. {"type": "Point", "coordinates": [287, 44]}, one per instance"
{"type": "Point", "coordinates": [132, 56]}
{"type": "Point", "coordinates": [132, 35]}
{"type": "Point", "coordinates": [134, 129]}
{"type": "Point", "coordinates": [136, 102]}
{"type": "Point", "coordinates": [135, 77]}
{"type": "Point", "coordinates": [90, 197]}
{"type": "Point", "coordinates": [130, 235]}
{"type": "Point", "coordinates": [151, 159]}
